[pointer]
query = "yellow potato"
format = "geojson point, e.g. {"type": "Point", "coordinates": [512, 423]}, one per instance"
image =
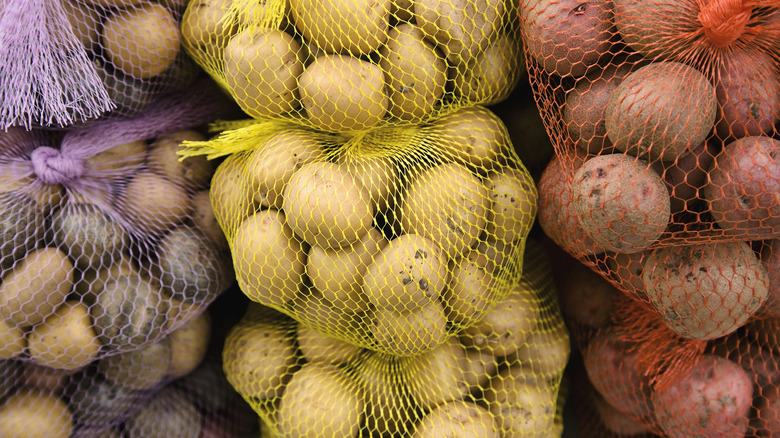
{"type": "Point", "coordinates": [230, 193]}
{"type": "Point", "coordinates": [118, 158]}
{"type": "Point", "coordinates": [262, 66]}
{"type": "Point", "coordinates": [189, 344]}
{"type": "Point", "coordinates": [192, 173]}
{"type": "Point", "coordinates": [154, 204]}
{"type": "Point", "coordinates": [448, 205]}
{"type": "Point", "coordinates": [338, 273]}
{"type": "Point", "coordinates": [411, 332]}
{"type": "Point", "coordinates": [85, 21]}
{"type": "Point", "coordinates": [37, 285]}
{"type": "Point", "coordinates": [544, 354]}
{"type": "Point", "coordinates": [409, 272]}
{"type": "Point", "coordinates": [66, 339]}
{"type": "Point", "coordinates": [268, 259]}
{"type": "Point", "coordinates": [460, 419]}
{"type": "Point", "coordinates": [35, 413]}
{"type": "Point", "coordinates": [343, 93]}
{"type": "Point", "coordinates": [520, 407]}
{"type": "Point", "coordinates": [142, 41]}
{"type": "Point", "coordinates": [390, 409]}
{"type": "Point", "coordinates": [204, 220]}
{"type": "Point", "coordinates": [481, 366]}
{"type": "Point", "coordinates": [472, 135]}
{"type": "Point", "coordinates": [343, 26]}
{"type": "Point", "coordinates": [311, 308]}
{"type": "Point", "coordinates": [437, 376]}
{"type": "Point", "coordinates": [513, 205]}
{"type": "Point", "coordinates": [491, 75]}
{"type": "Point", "coordinates": [415, 72]}
{"type": "Point", "coordinates": [472, 289]}
{"type": "Point", "coordinates": [378, 174]}
{"type": "Point", "coordinates": [142, 368]}
{"type": "Point", "coordinates": [317, 347]}
{"type": "Point", "coordinates": [326, 206]}
{"type": "Point", "coordinates": [12, 341]}
{"type": "Point", "coordinates": [271, 165]}
{"type": "Point", "coordinates": [204, 28]}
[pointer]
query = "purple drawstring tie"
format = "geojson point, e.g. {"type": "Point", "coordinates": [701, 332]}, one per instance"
{"type": "Point", "coordinates": [52, 167]}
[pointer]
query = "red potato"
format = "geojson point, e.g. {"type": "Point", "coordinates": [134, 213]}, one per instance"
{"type": "Point", "coordinates": [712, 399]}
{"type": "Point", "coordinates": [647, 26]}
{"type": "Point", "coordinates": [747, 87]}
{"type": "Point", "coordinates": [706, 290]}
{"type": "Point", "coordinates": [743, 190]}
{"type": "Point", "coordinates": [770, 255]}
{"type": "Point", "coordinates": [567, 37]}
{"type": "Point", "coordinates": [585, 297]}
{"type": "Point", "coordinates": [686, 176]}
{"type": "Point", "coordinates": [621, 202]}
{"type": "Point", "coordinates": [626, 271]}
{"type": "Point", "coordinates": [556, 215]}
{"type": "Point", "coordinates": [616, 421]}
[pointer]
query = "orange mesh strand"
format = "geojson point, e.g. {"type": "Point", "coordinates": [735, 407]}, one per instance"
{"type": "Point", "coordinates": [724, 21]}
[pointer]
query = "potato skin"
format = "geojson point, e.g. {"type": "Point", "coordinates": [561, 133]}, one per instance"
{"type": "Point", "coordinates": [438, 375]}
{"type": "Point", "coordinates": [521, 406]}
{"type": "Point", "coordinates": [463, 419]}
{"type": "Point", "coordinates": [356, 26]}
{"type": "Point", "coordinates": [712, 399]}
{"type": "Point", "coordinates": [410, 332]}
{"type": "Point", "coordinates": [742, 190]}
{"type": "Point", "coordinates": [35, 413]}
{"type": "Point", "coordinates": [705, 290]}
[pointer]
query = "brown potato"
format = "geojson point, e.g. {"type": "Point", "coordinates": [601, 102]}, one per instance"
{"type": "Point", "coordinates": [66, 339]}
{"type": "Point", "coordinates": [410, 332]}
{"type": "Point", "coordinates": [438, 375]}
{"type": "Point", "coordinates": [471, 135]}
{"type": "Point", "coordinates": [142, 41]}
{"type": "Point", "coordinates": [621, 202]}
{"type": "Point", "coordinates": [742, 188]}
{"type": "Point", "coordinates": [142, 368]}
{"type": "Point", "coordinates": [269, 261]}
{"type": "Point", "coordinates": [513, 205]}
{"type": "Point", "coordinates": [193, 173]}
{"type": "Point", "coordinates": [153, 204]}
{"type": "Point", "coordinates": [35, 413]}
{"type": "Point", "coordinates": [356, 26]}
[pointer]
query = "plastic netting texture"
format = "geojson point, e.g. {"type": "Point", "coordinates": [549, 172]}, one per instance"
{"type": "Point", "coordinates": [500, 378]}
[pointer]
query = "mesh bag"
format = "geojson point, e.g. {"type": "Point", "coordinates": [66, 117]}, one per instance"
{"type": "Point", "coordinates": [171, 387]}
{"type": "Point", "coordinates": [389, 239]}
{"type": "Point", "coordinates": [108, 240]}
{"type": "Point", "coordinates": [502, 378]}
{"type": "Point", "coordinates": [353, 65]}
{"type": "Point", "coordinates": [71, 61]}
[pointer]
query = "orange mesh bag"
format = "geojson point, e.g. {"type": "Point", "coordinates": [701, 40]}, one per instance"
{"type": "Point", "coordinates": [503, 378]}
{"type": "Point", "coordinates": [108, 240]}
{"type": "Point", "coordinates": [71, 61]}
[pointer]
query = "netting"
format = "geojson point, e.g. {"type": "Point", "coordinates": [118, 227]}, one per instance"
{"type": "Point", "coordinates": [72, 61]}
{"type": "Point", "coordinates": [664, 119]}
{"type": "Point", "coordinates": [108, 240]}
{"type": "Point", "coordinates": [502, 378]}
{"type": "Point", "coordinates": [353, 65]}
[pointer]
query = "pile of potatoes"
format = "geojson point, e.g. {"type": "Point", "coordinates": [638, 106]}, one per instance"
{"type": "Point", "coordinates": [388, 243]}
{"type": "Point", "coordinates": [498, 378]}
{"type": "Point", "coordinates": [111, 267]}
{"type": "Point", "coordinates": [347, 66]}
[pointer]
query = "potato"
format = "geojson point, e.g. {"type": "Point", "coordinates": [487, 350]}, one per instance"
{"type": "Point", "coordinates": [35, 413]}
{"type": "Point", "coordinates": [142, 368]}
{"type": "Point", "coordinates": [461, 29]}
{"type": "Point", "coordinates": [262, 67]}
{"type": "Point", "coordinates": [458, 419]}
{"type": "Point", "coordinates": [521, 407]}
{"type": "Point", "coordinates": [409, 332]}
{"type": "Point", "coordinates": [621, 202]}
{"type": "Point", "coordinates": [326, 206]}
{"type": "Point", "coordinates": [204, 28]}
{"type": "Point", "coordinates": [12, 341]}
{"type": "Point", "coordinates": [118, 158]}
{"type": "Point", "coordinates": [438, 375]}
{"type": "Point", "coordinates": [142, 41]}
{"type": "Point", "coordinates": [84, 20]}
{"type": "Point", "coordinates": [230, 193]}
{"type": "Point", "coordinates": [334, 404]}
{"type": "Point", "coordinates": [96, 401]}
{"type": "Point", "coordinates": [189, 344]}
{"type": "Point", "coordinates": [90, 282]}
{"type": "Point", "coordinates": [36, 286]}
{"type": "Point", "coordinates": [567, 38]}
{"type": "Point", "coordinates": [311, 308]}
{"type": "Point", "coordinates": [189, 268]}
{"type": "Point", "coordinates": [545, 353]}
{"type": "Point", "coordinates": [339, 274]}
{"type": "Point", "coordinates": [661, 126]}
{"type": "Point", "coordinates": [505, 327]}
{"type": "Point", "coordinates": [583, 110]}
{"type": "Point", "coordinates": [66, 339]}
{"type": "Point", "coordinates": [274, 161]}
{"type": "Point", "coordinates": [586, 298]}
{"type": "Point", "coordinates": [513, 205]}
{"type": "Point", "coordinates": [557, 216]}
{"type": "Point", "coordinates": [770, 256]}
{"type": "Point", "coordinates": [447, 205]}
{"type": "Point", "coordinates": [742, 185]}
{"type": "Point", "coordinates": [343, 93]}
{"type": "Point", "coordinates": [129, 312]}
{"type": "Point", "coordinates": [615, 421]}
{"type": "Point", "coordinates": [269, 261]}
{"type": "Point", "coordinates": [357, 27]}
{"type": "Point", "coordinates": [203, 219]}
{"type": "Point", "coordinates": [21, 189]}
{"type": "Point", "coordinates": [259, 357]}
{"type": "Point", "coordinates": [53, 380]}
{"type": "Point", "coordinates": [686, 176]}
{"type": "Point", "coordinates": [491, 75]}
{"type": "Point", "coordinates": [193, 173]}
{"type": "Point", "coordinates": [705, 290]}
{"type": "Point", "coordinates": [317, 347]}
{"type": "Point", "coordinates": [407, 273]}
{"type": "Point", "coordinates": [89, 235]}
{"type": "Point", "coordinates": [471, 135]}
{"type": "Point", "coordinates": [153, 204]}
{"type": "Point", "coordinates": [713, 398]}
{"type": "Point", "coordinates": [415, 72]}
{"type": "Point", "coordinates": [379, 174]}
{"type": "Point", "coordinates": [481, 366]}
{"type": "Point", "coordinates": [389, 408]}
{"type": "Point", "coordinates": [472, 289]}
{"type": "Point", "coordinates": [168, 413]}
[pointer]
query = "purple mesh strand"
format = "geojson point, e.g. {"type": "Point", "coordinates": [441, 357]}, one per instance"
{"type": "Point", "coordinates": [46, 77]}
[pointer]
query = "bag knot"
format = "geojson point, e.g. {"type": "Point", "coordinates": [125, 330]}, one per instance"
{"type": "Point", "coordinates": [52, 167]}
{"type": "Point", "coordinates": [724, 21]}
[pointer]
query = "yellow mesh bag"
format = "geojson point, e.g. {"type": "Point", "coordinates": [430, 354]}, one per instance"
{"type": "Point", "coordinates": [352, 65]}
{"type": "Point", "coordinates": [389, 239]}
{"type": "Point", "coordinates": [502, 378]}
